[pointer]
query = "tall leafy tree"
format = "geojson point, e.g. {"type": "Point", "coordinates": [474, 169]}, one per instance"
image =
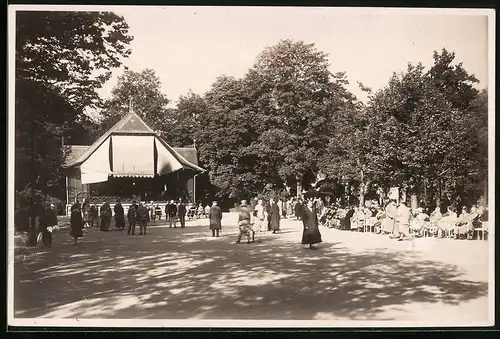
{"type": "Point", "coordinates": [62, 58]}
{"type": "Point", "coordinates": [295, 98]}
{"type": "Point", "coordinates": [143, 91]}
{"type": "Point", "coordinates": [427, 127]}
{"type": "Point", "coordinates": [73, 52]}
{"type": "Point", "coordinates": [186, 120]}
{"type": "Point", "coordinates": [226, 130]}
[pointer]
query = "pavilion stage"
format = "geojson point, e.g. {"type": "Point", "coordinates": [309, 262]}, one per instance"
{"type": "Point", "coordinates": [131, 162]}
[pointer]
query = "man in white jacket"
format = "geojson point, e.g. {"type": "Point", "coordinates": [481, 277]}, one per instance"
{"type": "Point", "coordinates": [403, 220]}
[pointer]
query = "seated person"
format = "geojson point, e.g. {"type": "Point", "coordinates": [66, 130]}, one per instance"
{"type": "Point", "coordinates": [475, 217]}
{"type": "Point", "coordinates": [358, 219]}
{"type": "Point", "coordinates": [463, 224]}
{"type": "Point", "coordinates": [420, 222]}
{"type": "Point", "coordinates": [158, 211]}
{"type": "Point", "coordinates": [483, 212]}
{"type": "Point", "coordinates": [436, 216]}
{"type": "Point", "coordinates": [200, 211]}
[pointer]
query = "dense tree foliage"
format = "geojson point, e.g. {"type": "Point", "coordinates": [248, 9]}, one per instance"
{"type": "Point", "coordinates": [62, 59]}
{"type": "Point", "coordinates": [287, 120]}
{"type": "Point", "coordinates": [424, 130]}
{"type": "Point", "coordinates": [71, 51]}
{"type": "Point", "coordinates": [290, 118]}
{"type": "Point", "coordinates": [142, 90]}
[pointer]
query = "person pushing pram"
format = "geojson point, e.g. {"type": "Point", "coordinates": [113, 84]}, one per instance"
{"type": "Point", "coordinates": [244, 223]}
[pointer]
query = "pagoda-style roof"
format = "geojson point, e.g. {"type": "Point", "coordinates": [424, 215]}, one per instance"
{"type": "Point", "coordinates": [129, 149]}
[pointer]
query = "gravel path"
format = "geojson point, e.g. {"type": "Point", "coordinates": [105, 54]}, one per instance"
{"type": "Point", "coordinates": [186, 274]}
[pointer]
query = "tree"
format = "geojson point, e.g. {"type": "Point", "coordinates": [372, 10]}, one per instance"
{"type": "Point", "coordinates": [70, 51]}
{"type": "Point", "coordinates": [226, 131]}
{"type": "Point", "coordinates": [295, 99]}
{"type": "Point", "coordinates": [348, 157]}
{"type": "Point", "coordinates": [144, 89]}
{"type": "Point", "coordinates": [186, 120]}
{"type": "Point", "coordinates": [426, 128]}
{"type": "Point", "coordinates": [62, 58]}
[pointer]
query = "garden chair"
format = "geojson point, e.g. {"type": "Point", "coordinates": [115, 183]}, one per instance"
{"type": "Point", "coordinates": [370, 224]}
{"type": "Point", "coordinates": [445, 227]}
{"type": "Point", "coordinates": [482, 230]}
{"type": "Point", "coordinates": [431, 230]}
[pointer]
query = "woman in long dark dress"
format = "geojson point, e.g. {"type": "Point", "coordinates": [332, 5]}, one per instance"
{"type": "Point", "coordinates": [311, 234]}
{"type": "Point", "coordinates": [274, 216]}
{"type": "Point", "coordinates": [106, 215]}
{"type": "Point", "coordinates": [76, 222]}
{"type": "Point", "coordinates": [119, 215]}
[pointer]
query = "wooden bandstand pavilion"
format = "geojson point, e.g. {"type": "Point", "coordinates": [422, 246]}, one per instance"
{"type": "Point", "coordinates": [130, 161]}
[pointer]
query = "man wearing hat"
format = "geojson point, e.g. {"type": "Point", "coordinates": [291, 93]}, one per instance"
{"type": "Point", "coordinates": [181, 212]}
{"type": "Point", "coordinates": [244, 221]}
{"type": "Point", "coordinates": [132, 218]}
{"type": "Point", "coordinates": [215, 217]}
{"type": "Point", "coordinates": [172, 213]}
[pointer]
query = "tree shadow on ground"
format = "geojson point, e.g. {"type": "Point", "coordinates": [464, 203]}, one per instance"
{"type": "Point", "coordinates": [185, 273]}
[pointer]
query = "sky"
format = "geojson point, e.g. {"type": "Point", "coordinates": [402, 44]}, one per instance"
{"type": "Point", "coordinates": [189, 47]}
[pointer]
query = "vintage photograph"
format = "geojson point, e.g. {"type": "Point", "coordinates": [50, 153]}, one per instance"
{"type": "Point", "coordinates": [187, 166]}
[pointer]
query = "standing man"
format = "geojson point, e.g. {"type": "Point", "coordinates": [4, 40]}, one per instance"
{"type": "Point", "coordinates": [181, 212]}
{"type": "Point", "coordinates": [172, 213]}
{"type": "Point", "coordinates": [143, 216]}
{"type": "Point", "coordinates": [274, 214]}
{"type": "Point", "coordinates": [215, 217]}
{"type": "Point", "coordinates": [167, 213]}
{"type": "Point", "coordinates": [119, 215]}
{"type": "Point", "coordinates": [132, 217]}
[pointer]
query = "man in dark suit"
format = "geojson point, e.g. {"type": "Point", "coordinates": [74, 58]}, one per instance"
{"type": "Point", "coordinates": [132, 218]}
{"type": "Point", "coordinates": [215, 217]}
{"type": "Point", "coordinates": [181, 212]}
{"type": "Point", "coordinates": [172, 213]}
{"type": "Point", "coordinates": [143, 218]}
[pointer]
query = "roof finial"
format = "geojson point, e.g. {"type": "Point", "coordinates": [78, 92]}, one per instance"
{"type": "Point", "coordinates": [130, 105]}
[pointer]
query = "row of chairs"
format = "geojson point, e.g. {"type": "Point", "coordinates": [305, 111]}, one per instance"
{"type": "Point", "coordinates": [444, 228]}
{"type": "Point", "coordinates": [447, 229]}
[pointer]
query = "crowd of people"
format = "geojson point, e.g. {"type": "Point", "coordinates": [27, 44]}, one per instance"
{"type": "Point", "coordinates": [258, 215]}
{"type": "Point", "coordinates": [400, 221]}
{"type": "Point", "coordinates": [138, 214]}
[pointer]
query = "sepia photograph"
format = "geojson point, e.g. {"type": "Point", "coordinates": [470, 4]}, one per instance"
{"type": "Point", "coordinates": [250, 167]}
